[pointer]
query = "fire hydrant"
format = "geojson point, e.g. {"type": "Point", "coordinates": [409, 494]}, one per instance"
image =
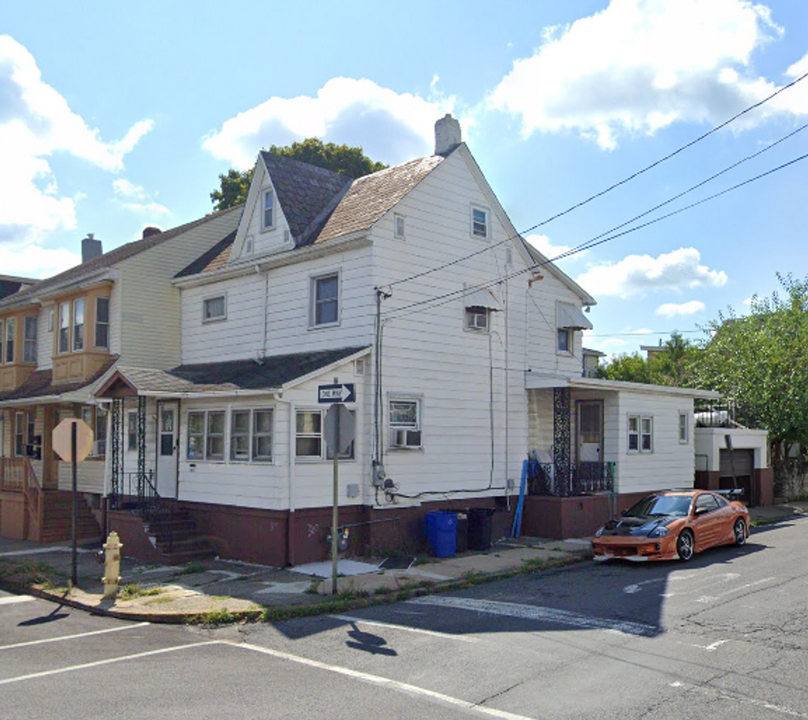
{"type": "Point", "coordinates": [112, 565]}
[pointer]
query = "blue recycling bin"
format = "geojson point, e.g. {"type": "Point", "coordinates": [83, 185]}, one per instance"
{"type": "Point", "coordinates": [441, 533]}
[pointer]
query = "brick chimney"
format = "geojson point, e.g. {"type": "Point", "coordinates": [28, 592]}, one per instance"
{"type": "Point", "coordinates": [447, 135]}
{"type": "Point", "coordinates": [151, 230]}
{"type": "Point", "coordinates": [90, 248]}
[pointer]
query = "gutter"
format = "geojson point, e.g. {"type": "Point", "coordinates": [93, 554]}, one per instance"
{"type": "Point", "coordinates": [288, 257]}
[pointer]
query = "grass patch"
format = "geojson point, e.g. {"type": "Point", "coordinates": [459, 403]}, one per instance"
{"type": "Point", "coordinates": [133, 590]}
{"type": "Point", "coordinates": [217, 617]}
{"type": "Point", "coordinates": [762, 522]}
{"type": "Point", "coordinates": [160, 601]}
{"type": "Point", "coordinates": [192, 568]}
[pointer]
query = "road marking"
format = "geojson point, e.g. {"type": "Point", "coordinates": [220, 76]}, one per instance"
{"type": "Point", "coordinates": [100, 663]}
{"type": "Point", "coordinates": [14, 599]}
{"type": "Point", "coordinates": [636, 587]}
{"type": "Point", "coordinates": [534, 612]}
{"type": "Point", "coordinates": [384, 682]}
{"type": "Point", "coordinates": [407, 628]}
{"type": "Point", "coordinates": [72, 637]}
{"type": "Point", "coordinates": [709, 690]}
{"type": "Point", "coordinates": [712, 598]}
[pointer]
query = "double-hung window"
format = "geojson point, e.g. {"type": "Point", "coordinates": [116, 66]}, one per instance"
{"type": "Point", "coordinates": [29, 341]}
{"type": "Point", "coordinates": [251, 435]}
{"type": "Point", "coordinates": [325, 300]}
{"type": "Point", "coordinates": [11, 329]}
{"type": "Point", "coordinates": [479, 222]}
{"type": "Point", "coordinates": [564, 340]}
{"type": "Point", "coordinates": [640, 433]}
{"type": "Point", "coordinates": [64, 327]}
{"type": "Point", "coordinates": [78, 325]}
{"type": "Point", "coordinates": [2, 338]}
{"type": "Point", "coordinates": [309, 440]}
{"type": "Point", "coordinates": [206, 435]}
{"type": "Point", "coordinates": [102, 322]}
{"type": "Point", "coordinates": [404, 422]}
{"type": "Point", "coordinates": [268, 218]}
{"type": "Point", "coordinates": [684, 428]}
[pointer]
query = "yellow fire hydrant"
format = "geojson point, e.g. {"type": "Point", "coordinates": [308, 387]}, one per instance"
{"type": "Point", "coordinates": [112, 565]}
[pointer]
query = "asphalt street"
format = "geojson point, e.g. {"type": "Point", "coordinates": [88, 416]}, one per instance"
{"type": "Point", "coordinates": [723, 636]}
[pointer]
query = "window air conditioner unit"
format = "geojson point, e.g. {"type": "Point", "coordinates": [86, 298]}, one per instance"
{"type": "Point", "coordinates": [405, 438]}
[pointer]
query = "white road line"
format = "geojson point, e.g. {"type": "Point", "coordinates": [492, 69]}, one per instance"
{"type": "Point", "coordinates": [713, 598]}
{"type": "Point", "coordinates": [71, 637]}
{"type": "Point", "coordinates": [14, 599]}
{"type": "Point", "coordinates": [406, 628]}
{"type": "Point", "coordinates": [716, 692]}
{"type": "Point", "coordinates": [100, 663]}
{"type": "Point", "coordinates": [384, 682]}
{"type": "Point", "coordinates": [534, 612]}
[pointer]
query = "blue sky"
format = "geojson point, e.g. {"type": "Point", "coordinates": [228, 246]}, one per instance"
{"type": "Point", "coordinates": [116, 116]}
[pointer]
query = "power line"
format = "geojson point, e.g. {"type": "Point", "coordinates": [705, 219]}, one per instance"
{"type": "Point", "coordinates": [614, 186]}
{"type": "Point", "coordinates": [599, 240]}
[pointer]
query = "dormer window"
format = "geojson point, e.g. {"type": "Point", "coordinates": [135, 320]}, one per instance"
{"type": "Point", "coordinates": [268, 219]}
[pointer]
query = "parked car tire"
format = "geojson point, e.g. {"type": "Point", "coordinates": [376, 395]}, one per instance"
{"type": "Point", "coordinates": [739, 530]}
{"type": "Point", "coordinates": [685, 545]}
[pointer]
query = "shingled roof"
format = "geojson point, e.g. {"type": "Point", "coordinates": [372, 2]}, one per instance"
{"type": "Point", "coordinates": [40, 384]}
{"type": "Point", "coordinates": [109, 259]}
{"type": "Point", "coordinates": [271, 373]}
{"type": "Point", "coordinates": [304, 191]}
{"type": "Point", "coordinates": [214, 259]}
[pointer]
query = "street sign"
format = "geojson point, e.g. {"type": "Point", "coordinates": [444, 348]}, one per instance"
{"type": "Point", "coordinates": [338, 417]}
{"type": "Point", "coordinates": [336, 393]}
{"type": "Point", "coordinates": [61, 439]}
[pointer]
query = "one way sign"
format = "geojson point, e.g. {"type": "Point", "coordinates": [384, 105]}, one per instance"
{"type": "Point", "coordinates": [337, 393]}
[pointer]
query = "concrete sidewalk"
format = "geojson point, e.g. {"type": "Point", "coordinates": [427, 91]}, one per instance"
{"type": "Point", "coordinates": [222, 591]}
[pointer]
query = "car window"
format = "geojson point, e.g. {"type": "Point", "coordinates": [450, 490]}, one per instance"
{"type": "Point", "coordinates": [721, 500]}
{"type": "Point", "coordinates": [659, 505]}
{"type": "Point", "coordinates": [707, 502]}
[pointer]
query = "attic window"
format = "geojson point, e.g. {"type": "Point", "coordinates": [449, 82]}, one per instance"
{"type": "Point", "coordinates": [398, 227]}
{"type": "Point", "coordinates": [268, 219]}
{"type": "Point", "coordinates": [479, 222]}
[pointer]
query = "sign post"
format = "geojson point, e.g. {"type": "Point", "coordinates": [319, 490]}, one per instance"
{"type": "Point", "coordinates": [339, 430]}
{"type": "Point", "coordinates": [72, 442]}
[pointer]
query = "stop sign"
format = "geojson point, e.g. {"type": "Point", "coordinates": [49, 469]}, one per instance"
{"type": "Point", "coordinates": [61, 439]}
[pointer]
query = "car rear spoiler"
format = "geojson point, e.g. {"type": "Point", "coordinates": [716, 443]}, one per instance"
{"type": "Point", "coordinates": [733, 493]}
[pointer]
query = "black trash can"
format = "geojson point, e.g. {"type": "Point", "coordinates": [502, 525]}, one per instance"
{"type": "Point", "coordinates": [480, 528]}
{"type": "Point", "coordinates": [462, 531]}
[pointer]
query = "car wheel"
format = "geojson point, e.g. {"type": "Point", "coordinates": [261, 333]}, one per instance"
{"type": "Point", "coordinates": [685, 545]}
{"type": "Point", "coordinates": [739, 531]}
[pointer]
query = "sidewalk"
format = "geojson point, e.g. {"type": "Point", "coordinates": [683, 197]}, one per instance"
{"type": "Point", "coordinates": [223, 591]}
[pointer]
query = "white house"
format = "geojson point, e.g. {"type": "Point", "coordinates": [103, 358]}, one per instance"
{"type": "Point", "coordinates": [463, 347]}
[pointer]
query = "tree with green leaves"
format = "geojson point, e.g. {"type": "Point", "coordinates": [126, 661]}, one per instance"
{"type": "Point", "coordinates": [760, 363]}
{"type": "Point", "coordinates": [352, 161]}
{"type": "Point", "coordinates": [670, 365]}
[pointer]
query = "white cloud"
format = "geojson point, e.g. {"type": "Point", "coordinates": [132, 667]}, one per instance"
{"type": "Point", "coordinates": [389, 126]}
{"type": "Point", "coordinates": [152, 208]}
{"type": "Point", "coordinates": [546, 247]}
{"type": "Point", "coordinates": [670, 310]}
{"type": "Point", "coordinates": [128, 189]}
{"type": "Point", "coordinates": [636, 274]}
{"type": "Point", "coordinates": [27, 260]}
{"type": "Point", "coordinates": [640, 65]}
{"type": "Point", "coordinates": [35, 123]}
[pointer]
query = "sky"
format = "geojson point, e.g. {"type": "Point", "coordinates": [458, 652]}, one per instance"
{"type": "Point", "coordinates": [116, 116]}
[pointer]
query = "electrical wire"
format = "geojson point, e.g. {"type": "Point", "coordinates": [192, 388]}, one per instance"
{"type": "Point", "coordinates": [625, 180]}
{"type": "Point", "coordinates": [437, 301]}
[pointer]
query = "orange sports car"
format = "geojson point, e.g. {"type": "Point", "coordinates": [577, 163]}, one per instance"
{"type": "Point", "coordinates": [673, 524]}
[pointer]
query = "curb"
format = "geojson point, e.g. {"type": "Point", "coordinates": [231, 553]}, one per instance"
{"type": "Point", "coordinates": [279, 613]}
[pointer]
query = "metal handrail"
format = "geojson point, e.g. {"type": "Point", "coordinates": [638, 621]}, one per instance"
{"type": "Point", "coordinates": [585, 478]}
{"type": "Point", "coordinates": [137, 492]}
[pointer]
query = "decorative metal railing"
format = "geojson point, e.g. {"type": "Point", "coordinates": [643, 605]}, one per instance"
{"type": "Point", "coordinates": [584, 478]}
{"type": "Point", "coordinates": [135, 491]}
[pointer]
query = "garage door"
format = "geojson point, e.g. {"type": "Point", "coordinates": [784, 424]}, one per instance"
{"type": "Point", "coordinates": [743, 461]}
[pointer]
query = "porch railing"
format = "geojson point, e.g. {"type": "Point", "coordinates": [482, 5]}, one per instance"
{"type": "Point", "coordinates": [584, 478]}
{"type": "Point", "coordinates": [136, 491]}
{"type": "Point", "coordinates": [18, 476]}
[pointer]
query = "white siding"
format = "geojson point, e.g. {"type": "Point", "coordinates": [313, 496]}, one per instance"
{"type": "Point", "coordinates": [671, 464]}
{"type": "Point", "coordinates": [150, 304]}
{"type": "Point", "coordinates": [264, 241]}
{"type": "Point", "coordinates": [89, 476]}
{"type": "Point", "coordinates": [286, 291]}
{"type": "Point", "coordinates": [709, 442]}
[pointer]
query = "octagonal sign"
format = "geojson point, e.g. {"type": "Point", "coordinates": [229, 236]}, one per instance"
{"type": "Point", "coordinates": [61, 439]}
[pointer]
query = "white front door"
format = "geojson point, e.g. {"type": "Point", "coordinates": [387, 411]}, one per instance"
{"type": "Point", "coordinates": [167, 448]}
{"type": "Point", "coordinates": [590, 431]}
